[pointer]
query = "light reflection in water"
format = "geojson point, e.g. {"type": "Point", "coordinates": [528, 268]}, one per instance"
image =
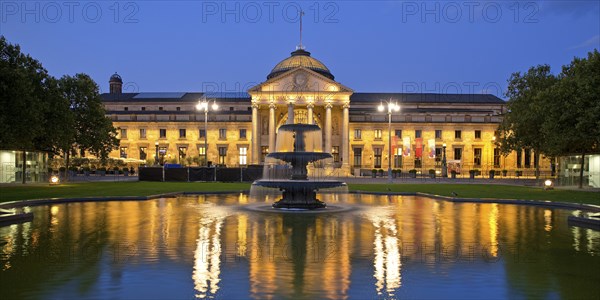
{"type": "Point", "coordinates": [206, 247]}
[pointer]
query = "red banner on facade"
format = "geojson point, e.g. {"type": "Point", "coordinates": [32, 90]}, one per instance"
{"type": "Point", "coordinates": [419, 147]}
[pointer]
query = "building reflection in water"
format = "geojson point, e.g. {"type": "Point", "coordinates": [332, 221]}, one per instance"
{"type": "Point", "coordinates": [388, 249]}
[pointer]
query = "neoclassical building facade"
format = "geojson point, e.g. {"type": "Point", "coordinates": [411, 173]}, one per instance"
{"type": "Point", "coordinates": [301, 89]}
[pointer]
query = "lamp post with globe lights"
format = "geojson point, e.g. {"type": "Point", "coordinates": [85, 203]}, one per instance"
{"type": "Point", "coordinates": [391, 108]}
{"type": "Point", "coordinates": [203, 106]}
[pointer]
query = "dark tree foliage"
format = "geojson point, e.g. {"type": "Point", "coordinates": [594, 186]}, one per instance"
{"type": "Point", "coordinates": [555, 115]}
{"type": "Point", "coordinates": [39, 112]}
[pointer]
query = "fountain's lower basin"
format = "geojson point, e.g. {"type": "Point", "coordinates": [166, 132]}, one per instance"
{"type": "Point", "coordinates": [299, 194]}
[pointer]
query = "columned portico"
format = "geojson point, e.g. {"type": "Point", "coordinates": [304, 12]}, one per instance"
{"type": "Point", "coordinates": [306, 89]}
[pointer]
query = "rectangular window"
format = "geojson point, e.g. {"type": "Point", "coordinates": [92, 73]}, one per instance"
{"type": "Point", "coordinates": [357, 134]}
{"type": "Point", "coordinates": [457, 134]}
{"type": "Point", "coordinates": [398, 133]}
{"type": "Point", "coordinates": [477, 134]}
{"type": "Point", "coordinates": [182, 133]}
{"type": "Point", "coordinates": [201, 150]}
{"type": "Point", "coordinates": [438, 134]}
{"type": "Point", "coordinates": [178, 108]}
{"type": "Point", "coordinates": [477, 157]}
{"type": "Point", "coordinates": [182, 153]}
{"type": "Point", "coordinates": [125, 108]}
{"type": "Point", "coordinates": [457, 153]}
{"type": "Point", "coordinates": [418, 133]}
{"type": "Point", "coordinates": [243, 156]}
{"type": "Point", "coordinates": [377, 156]}
{"type": "Point", "coordinates": [201, 133]}
{"type": "Point", "coordinates": [378, 134]}
{"type": "Point", "coordinates": [222, 155]}
{"type": "Point", "coordinates": [242, 134]}
{"type": "Point", "coordinates": [496, 158]}
{"type": "Point", "coordinates": [398, 158]}
{"type": "Point", "coordinates": [160, 108]}
{"type": "Point", "coordinates": [123, 133]}
{"type": "Point", "coordinates": [142, 133]}
{"type": "Point", "coordinates": [143, 108]}
{"type": "Point", "coordinates": [202, 156]}
{"type": "Point", "coordinates": [519, 159]}
{"type": "Point", "coordinates": [222, 134]}
{"type": "Point", "coordinates": [123, 152]}
{"type": "Point", "coordinates": [264, 150]}
{"type": "Point", "coordinates": [527, 158]}
{"type": "Point", "coordinates": [418, 163]}
{"type": "Point", "coordinates": [438, 155]}
{"type": "Point", "coordinates": [143, 153]}
{"type": "Point", "coordinates": [162, 153]}
{"type": "Point", "coordinates": [357, 157]}
{"type": "Point", "coordinates": [162, 133]}
{"type": "Point", "coordinates": [335, 152]}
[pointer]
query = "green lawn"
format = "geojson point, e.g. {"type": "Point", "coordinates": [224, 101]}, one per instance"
{"type": "Point", "coordinates": [94, 189]}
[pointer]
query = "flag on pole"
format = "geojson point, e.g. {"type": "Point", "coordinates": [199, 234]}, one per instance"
{"type": "Point", "coordinates": [431, 148]}
{"type": "Point", "coordinates": [406, 146]}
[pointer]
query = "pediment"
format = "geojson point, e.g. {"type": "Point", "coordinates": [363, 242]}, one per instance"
{"type": "Point", "coordinates": [300, 80]}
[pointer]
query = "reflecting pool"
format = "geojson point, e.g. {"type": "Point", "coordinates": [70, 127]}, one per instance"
{"type": "Point", "coordinates": [209, 246]}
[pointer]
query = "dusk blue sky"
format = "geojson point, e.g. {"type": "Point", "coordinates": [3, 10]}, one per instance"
{"type": "Point", "coordinates": [393, 46]}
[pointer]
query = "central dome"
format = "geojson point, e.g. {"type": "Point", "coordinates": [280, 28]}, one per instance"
{"type": "Point", "coordinates": [300, 58]}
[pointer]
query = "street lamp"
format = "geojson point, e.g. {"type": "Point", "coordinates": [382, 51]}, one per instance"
{"type": "Point", "coordinates": [444, 165]}
{"type": "Point", "coordinates": [203, 105]}
{"type": "Point", "coordinates": [156, 155]}
{"type": "Point", "coordinates": [391, 107]}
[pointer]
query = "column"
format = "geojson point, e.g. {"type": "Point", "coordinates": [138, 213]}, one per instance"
{"type": "Point", "coordinates": [290, 119]}
{"type": "Point", "coordinates": [272, 127]}
{"type": "Point", "coordinates": [255, 136]}
{"type": "Point", "coordinates": [310, 107]}
{"type": "Point", "coordinates": [346, 136]}
{"type": "Point", "coordinates": [327, 147]}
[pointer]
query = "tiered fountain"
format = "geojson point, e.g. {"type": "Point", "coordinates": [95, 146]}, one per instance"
{"type": "Point", "coordinates": [297, 146]}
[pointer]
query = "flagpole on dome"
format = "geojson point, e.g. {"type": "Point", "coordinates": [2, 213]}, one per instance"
{"type": "Point", "coordinates": [300, 47]}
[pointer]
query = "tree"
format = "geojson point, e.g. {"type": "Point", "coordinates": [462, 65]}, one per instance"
{"type": "Point", "coordinates": [94, 131]}
{"type": "Point", "coordinates": [521, 127]}
{"type": "Point", "coordinates": [22, 93]}
{"type": "Point", "coordinates": [572, 116]}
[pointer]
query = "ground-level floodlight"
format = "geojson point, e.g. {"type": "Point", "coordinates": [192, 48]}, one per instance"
{"type": "Point", "coordinates": [54, 180]}
{"type": "Point", "coordinates": [548, 184]}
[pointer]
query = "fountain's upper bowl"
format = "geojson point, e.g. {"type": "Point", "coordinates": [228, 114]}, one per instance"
{"type": "Point", "coordinates": [307, 157]}
{"type": "Point", "coordinates": [299, 127]}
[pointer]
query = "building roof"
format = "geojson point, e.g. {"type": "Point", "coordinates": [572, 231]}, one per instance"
{"type": "Point", "coordinates": [426, 98]}
{"type": "Point", "coordinates": [300, 58]}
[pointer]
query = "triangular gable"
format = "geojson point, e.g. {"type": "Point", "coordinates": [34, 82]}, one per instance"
{"type": "Point", "coordinates": [292, 81]}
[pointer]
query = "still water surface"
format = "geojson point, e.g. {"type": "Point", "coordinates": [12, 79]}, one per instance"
{"type": "Point", "coordinates": [209, 247]}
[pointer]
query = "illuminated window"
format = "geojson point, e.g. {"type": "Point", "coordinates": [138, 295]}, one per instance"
{"type": "Point", "coordinates": [398, 158]}
{"type": "Point", "coordinates": [378, 134]}
{"type": "Point", "coordinates": [243, 156]}
{"type": "Point", "coordinates": [143, 153]}
{"type": "Point", "coordinates": [377, 155]}
{"type": "Point", "coordinates": [357, 134]}
{"type": "Point", "coordinates": [222, 155]}
{"type": "Point", "coordinates": [335, 152]}
{"type": "Point", "coordinates": [123, 152]}
{"type": "Point", "coordinates": [477, 157]}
